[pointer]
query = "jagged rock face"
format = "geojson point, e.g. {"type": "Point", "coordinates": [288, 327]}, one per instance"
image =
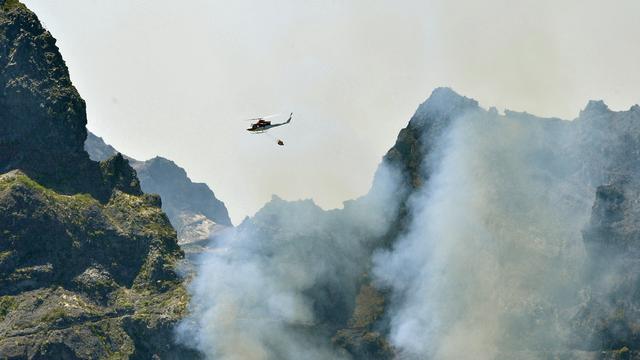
{"type": "Point", "coordinates": [53, 239]}
{"type": "Point", "coordinates": [83, 279]}
{"type": "Point", "coordinates": [119, 175]}
{"type": "Point", "coordinates": [428, 123]}
{"type": "Point", "coordinates": [614, 228]}
{"type": "Point", "coordinates": [192, 208]}
{"type": "Point", "coordinates": [611, 317]}
{"type": "Point", "coordinates": [611, 139]}
{"type": "Point", "coordinates": [43, 117]}
{"type": "Point", "coordinates": [87, 261]}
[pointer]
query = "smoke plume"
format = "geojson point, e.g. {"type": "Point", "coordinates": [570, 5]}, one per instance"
{"type": "Point", "coordinates": [282, 283]}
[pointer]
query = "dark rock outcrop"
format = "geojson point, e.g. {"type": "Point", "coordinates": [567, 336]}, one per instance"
{"type": "Point", "coordinates": [426, 126]}
{"type": "Point", "coordinates": [611, 317]}
{"type": "Point", "coordinates": [43, 117]}
{"type": "Point", "coordinates": [117, 174]}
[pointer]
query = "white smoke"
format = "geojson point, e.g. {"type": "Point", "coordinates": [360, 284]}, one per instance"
{"type": "Point", "coordinates": [278, 285]}
{"type": "Point", "coordinates": [494, 247]}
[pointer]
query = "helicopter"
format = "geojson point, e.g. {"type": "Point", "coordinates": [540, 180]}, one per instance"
{"type": "Point", "coordinates": [261, 125]}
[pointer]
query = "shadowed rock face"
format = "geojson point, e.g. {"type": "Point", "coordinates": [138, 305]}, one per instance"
{"type": "Point", "coordinates": [86, 259]}
{"type": "Point", "coordinates": [192, 208]}
{"type": "Point", "coordinates": [164, 177]}
{"type": "Point", "coordinates": [425, 127]}
{"type": "Point", "coordinates": [43, 117]}
{"type": "Point", "coordinates": [97, 149]}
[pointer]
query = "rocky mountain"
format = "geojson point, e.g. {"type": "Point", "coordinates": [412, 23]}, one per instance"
{"type": "Point", "coordinates": [87, 260]}
{"type": "Point", "coordinates": [192, 208]}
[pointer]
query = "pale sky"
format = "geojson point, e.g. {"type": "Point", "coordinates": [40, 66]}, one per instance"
{"type": "Point", "coordinates": [176, 78]}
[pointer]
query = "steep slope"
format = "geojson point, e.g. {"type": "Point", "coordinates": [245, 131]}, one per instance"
{"type": "Point", "coordinates": [192, 208]}
{"type": "Point", "coordinates": [86, 259]}
{"type": "Point", "coordinates": [97, 149]}
{"type": "Point", "coordinates": [41, 107]}
{"type": "Point", "coordinates": [425, 127]}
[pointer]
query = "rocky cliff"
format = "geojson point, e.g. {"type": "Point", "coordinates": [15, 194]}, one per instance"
{"type": "Point", "coordinates": [87, 261]}
{"type": "Point", "coordinates": [43, 115]}
{"type": "Point", "coordinates": [192, 208]}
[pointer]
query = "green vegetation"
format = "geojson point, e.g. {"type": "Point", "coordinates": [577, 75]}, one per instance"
{"type": "Point", "coordinates": [5, 254]}
{"type": "Point", "coordinates": [12, 4]}
{"type": "Point", "coordinates": [623, 353]}
{"type": "Point", "coordinates": [109, 334]}
{"type": "Point", "coordinates": [7, 304]}
{"type": "Point", "coordinates": [53, 315]}
{"type": "Point", "coordinates": [107, 232]}
{"type": "Point", "coordinates": [369, 307]}
{"type": "Point", "coordinates": [18, 178]}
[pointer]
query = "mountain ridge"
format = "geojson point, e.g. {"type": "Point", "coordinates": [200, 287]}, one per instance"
{"type": "Point", "coordinates": [88, 263]}
{"type": "Point", "coordinates": [193, 208]}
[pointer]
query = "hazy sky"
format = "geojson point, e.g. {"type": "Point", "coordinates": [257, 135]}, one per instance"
{"type": "Point", "coordinates": [175, 78]}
